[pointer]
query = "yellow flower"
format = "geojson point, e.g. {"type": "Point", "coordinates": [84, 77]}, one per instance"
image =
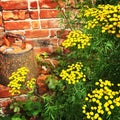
{"type": "Point", "coordinates": [112, 106]}
{"type": "Point", "coordinates": [84, 111]}
{"type": "Point", "coordinates": [73, 74]}
{"type": "Point", "coordinates": [105, 16]}
{"type": "Point", "coordinates": [106, 97]}
{"type": "Point", "coordinates": [118, 84]}
{"type": "Point", "coordinates": [96, 115]}
{"type": "Point", "coordinates": [107, 101]}
{"type": "Point", "coordinates": [107, 109]}
{"type": "Point", "coordinates": [18, 81]}
{"type": "Point", "coordinates": [97, 83]}
{"type": "Point", "coordinates": [94, 99]}
{"type": "Point", "coordinates": [86, 99]}
{"type": "Point", "coordinates": [78, 39]}
{"type": "Point", "coordinates": [88, 116]}
{"type": "Point", "coordinates": [110, 101]}
{"type": "Point", "coordinates": [109, 112]}
{"type": "Point", "coordinates": [99, 118]}
{"type": "Point", "coordinates": [91, 113]}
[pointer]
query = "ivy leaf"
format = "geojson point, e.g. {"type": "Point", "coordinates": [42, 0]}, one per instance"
{"type": "Point", "coordinates": [52, 82]}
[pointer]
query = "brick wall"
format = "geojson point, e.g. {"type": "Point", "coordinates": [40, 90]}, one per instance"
{"type": "Point", "coordinates": [36, 19]}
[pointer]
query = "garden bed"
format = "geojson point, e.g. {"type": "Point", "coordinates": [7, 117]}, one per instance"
{"type": "Point", "coordinates": [85, 83]}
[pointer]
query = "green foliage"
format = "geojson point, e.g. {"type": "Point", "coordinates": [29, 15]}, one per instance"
{"type": "Point", "coordinates": [24, 110]}
{"type": "Point", "coordinates": [101, 59]}
{"type": "Point", "coordinates": [65, 103]}
{"type": "Point", "coordinates": [112, 2]}
{"type": "Point", "coordinates": [51, 82]}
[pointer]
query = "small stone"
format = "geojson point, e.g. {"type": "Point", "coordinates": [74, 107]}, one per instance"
{"type": "Point", "coordinates": [8, 50]}
{"type": "Point", "coordinates": [2, 48]}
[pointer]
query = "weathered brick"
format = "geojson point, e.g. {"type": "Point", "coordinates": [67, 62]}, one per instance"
{"type": "Point", "coordinates": [4, 91]}
{"type": "Point", "coordinates": [33, 4]}
{"type": "Point", "coordinates": [18, 32]}
{"type": "Point", "coordinates": [44, 49]}
{"type": "Point", "coordinates": [17, 25]}
{"type": "Point", "coordinates": [5, 103]}
{"type": "Point", "coordinates": [35, 24]}
{"type": "Point", "coordinates": [42, 42]}
{"type": "Point", "coordinates": [42, 87]}
{"type": "Point", "coordinates": [37, 33]}
{"type": "Point", "coordinates": [1, 21]}
{"type": "Point", "coordinates": [12, 5]}
{"type": "Point", "coordinates": [53, 33]}
{"type": "Point", "coordinates": [47, 4]}
{"type": "Point", "coordinates": [31, 42]}
{"type": "Point", "coordinates": [1, 29]}
{"type": "Point", "coordinates": [62, 33]}
{"type": "Point", "coordinates": [34, 14]}
{"type": "Point", "coordinates": [54, 42]}
{"type": "Point", "coordinates": [16, 15]}
{"type": "Point", "coordinates": [52, 23]}
{"type": "Point", "coordinates": [61, 3]}
{"type": "Point", "coordinates": [48, 13]}
{"type": "Point", "coordinates": [37, 50]}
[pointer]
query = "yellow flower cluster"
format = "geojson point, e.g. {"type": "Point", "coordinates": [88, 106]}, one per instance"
{"type": "Point", "coordinates": [102, 101]}
{"type": "Point", "coordinates": [73, 73]}
{"type": "Point", "coordinates": [105, 16]}
{"type": "Point", "coordinates": [76, 38]}
{"type": "Point", "coordinates": [30, 83]}
{"type": "Point", "coordinates": [18, 81]}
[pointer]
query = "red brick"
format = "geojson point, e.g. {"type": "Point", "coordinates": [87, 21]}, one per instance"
{"type": "Point", "coordinates": [37, 33]}
{"type": "Point", "coordinates": [47, 4]}
{"type": "Point", "coordinates": [62, 33]}
{"type": "Point", "coordinates": [5, 103]}
{"type": "Point", "coordinates": [53, 23]}
{"type": "Point", "coordinates": [1, 21]}
{"type": "Point", "coordinates": [60, 41]}
{"type": "Point", "coordinates": [35, 24]}
{"type": "Point", "coordinates": [42, 87]}
{"type": "Point", "coordinates": [53, 33]}
{"type": "Point", "coordinates": [1, 29]}
{"type": "Point", "coordinates": [17, 25]}
{"type": "Point", "coordinates": [42, 42]}
{"type": "Point", "coordinates": [37, 51]}
{"type": "Point", "coordinates": [34, 14]}
{"type": "Point", "coordinates": [54, 42]}
{"type": "Point", "coordinates": [33, 4]}
{"type": "Point", "coordinates": [4, 91]}
{"type": "Point", "coordinates": [48, 13]}
{"type": "Point", "coordinates": [48, 49]}
{"type": "Point", "coordinates": [30, 42]}
{"type": "Point", "coordinates": [11, 5]}
{"type": "Point", "coordinates": [43, 49]}
{"type": "Point", "coordinates": [15, 15]}
{"type": "Point", "coordinates": [62, 3]}
{"type": "Point", "coordinates": [18, 32]}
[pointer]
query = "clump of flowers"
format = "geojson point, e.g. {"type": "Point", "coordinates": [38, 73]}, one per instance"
{"type": "Point", "coordinates": [73, 74]}
{"type": "Point", "coordinates": [18, 81]}
{"type": "Point", "coordinates": [105, 16]}
{"type": "Point", "coordinates": [77, 38]}
{"type": "Point", "coordinates": [102, 101]}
